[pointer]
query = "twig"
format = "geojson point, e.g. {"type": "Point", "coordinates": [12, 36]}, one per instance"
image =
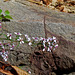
{"type": "Point", "coordinates": [45, 28]}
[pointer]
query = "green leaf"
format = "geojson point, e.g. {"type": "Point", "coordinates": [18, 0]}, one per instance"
{"type": "Point", "coordinates": [8, 17]}
{"type": "Point", "coordinates": [0, 18]}
{"type": "Point", "coordinates": [7, 12]}
{"type": "Point", "coordinates": [0, 11]}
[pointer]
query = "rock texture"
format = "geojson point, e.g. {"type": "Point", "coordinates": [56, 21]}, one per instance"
{"type": "Point", "coordinates": [46, 63]}
{"type": "Point", "coordinates": [28, 19]}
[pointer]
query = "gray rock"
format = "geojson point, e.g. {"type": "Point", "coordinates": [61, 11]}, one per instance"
{"type": "Point", "coordinates": [28, 19]}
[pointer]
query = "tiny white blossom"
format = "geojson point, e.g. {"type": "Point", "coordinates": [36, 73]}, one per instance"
{"type": "Point", "coordinates": [55, 41]}
{"type": "Point", "coordinates": [7, 34]}
{"type": "Point", "coordinates": [43, 49]}
{"type": "Point", "coordinates": [30, 43]}
{"type": "Point", "coordinates": [48, 49]}
{"type": "Point", "coordinates": [15, 33]}
{"type": "Point", "coordinates": [49, 43]}
{"type": "Point", "coordinates": [21, 42]}
{"type": "Point", "coordinates": [3, 47]}
{"type": "Point", "coordinates": [54, 38]}
{"type": "Point", "coordinates": [11, 48]}
{"type": "Point", "coordinates": [29, 72]}
{"type": "Point", "coordinates": [28, 39]}
{"type": "Point", "coordinates": [19, 34]}
{"type": "Point", "coordinates": [26, 35]}
{"type": "Point", "coordinates": [56, 45]}
{"type": "Point", "coordinates": [19, 39]}
{"type": "Point", "coordinates": [41, 38]}
{"type": "Point", "coordinates": [36, 39]}
{"type": "Point", "coordinates": [47, 39]}
{"type": "Point", "coordinates": [10, 37]}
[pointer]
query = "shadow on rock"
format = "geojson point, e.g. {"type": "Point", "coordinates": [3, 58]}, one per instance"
{"type": "Point", "coordinates": [45, 63]}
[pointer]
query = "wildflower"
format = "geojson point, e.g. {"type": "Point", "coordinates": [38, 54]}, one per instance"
{"type": "Point", "coordinates": [9, 35]}
{"type": "Point", "coordinates": [30, 43]}
{"type": "Point", "coordinates": [48, 49]}
{"type": "Point", "coordinates": [2, 46]}
{"type": "Point", "coordinates": [56, 45]}
{"type": "Point", "coordinates": [26, 35]}
{"type": "Point", "coordinates": [12, 47]}
{"type": "Point", "coordinates": [36, 39]}
{"type": "Point", "coordinates": [54, 38]}
{"type": "Point", "coordinates": [43, 49]}
{"type": "Point", "coordinates": [55, 41]}
{"type": "Point", "coordinates": [4, 55]}
{"type": "Point", "coordinates": [41, 39]}
{"type": "Point", "coordinates": [29, 71]}
{"type": "Point", "coordinates": [49, 43]}
{"type": "Point", "coordinates": [21, 40]}
{"type": "Point", "coordinates": [28, 39]}
{"type": "Point", "coordinates": [17, 33]}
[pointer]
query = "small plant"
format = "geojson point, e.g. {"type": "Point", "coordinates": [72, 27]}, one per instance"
{"type": "Point", "coordinates": [5, 16]}
{"type": "Point", "coordinates": [10, 41]}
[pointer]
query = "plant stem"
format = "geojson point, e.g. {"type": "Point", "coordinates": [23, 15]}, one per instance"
{"type": "Point", "coordinates": [45, 28]}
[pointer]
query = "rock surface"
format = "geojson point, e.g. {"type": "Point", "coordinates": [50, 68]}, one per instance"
{"type": "Point", "coordinates": [28, 19]}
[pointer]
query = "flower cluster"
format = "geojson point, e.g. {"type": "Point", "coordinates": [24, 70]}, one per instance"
{"type": "Point", "coordinates": [4, 53]}
{"type": "Point", "coordinates": [10, 42]}
{"type": "Point", "coordinates": [9, 35]}
{"type": "Point", "coordinates": [18, 35]}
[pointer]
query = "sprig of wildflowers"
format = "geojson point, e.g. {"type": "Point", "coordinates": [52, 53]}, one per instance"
{"type": "Point", "coordinates": [47, 44]}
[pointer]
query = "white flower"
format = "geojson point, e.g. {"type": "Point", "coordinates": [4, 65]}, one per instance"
{"type": "Point", "coordinates": [43, 49]}
{"type": "Point", "coordinates": [7, 34]}
{"type": "Point", "coordinates": [49, 43]}
{"type": "Point", "coordinates": [29, 72]}
{"type": "Point", "coordinates": [44, 41]}
{"type": "Point", "coordinates": [21, 42]}
{"type": "Point", "coordinates": [50, 39]}
{"type": "Point", "coordinates": [55, 41]}
{"type": "Point", "coordinates": [28, 39]}
{"type": "Point", "coordinates": [54, 38]}
{"type": "Point", "coordinates": [19, 39]}
{"type": "Point", "coordinates": [47, 39]}
{"type": "Point", "coordinates": [56, 45]}
{"type": "Point", "coordinates": [48, 49]}
{"type": "Point", "coordinates": [30, 43]}
{"type": "Point", "coordinates": [26, 35]}
{"type": "Point", "coordinates": [5, 59]}
{"type": "Point", "coordinates": [11, 48]}
{"type": "Point", "coordinates": [10, 37]}
{"type": "Point", "coordinates": [17, 33]}
{"type": "Point", "coordinates": [3, 47]}
{"type": "Point", "coordinates": [35, 38]}
{"type": "Point", "coordinates": [43, 44]}
{"type": "Point", "coordinates": [41, 39]}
